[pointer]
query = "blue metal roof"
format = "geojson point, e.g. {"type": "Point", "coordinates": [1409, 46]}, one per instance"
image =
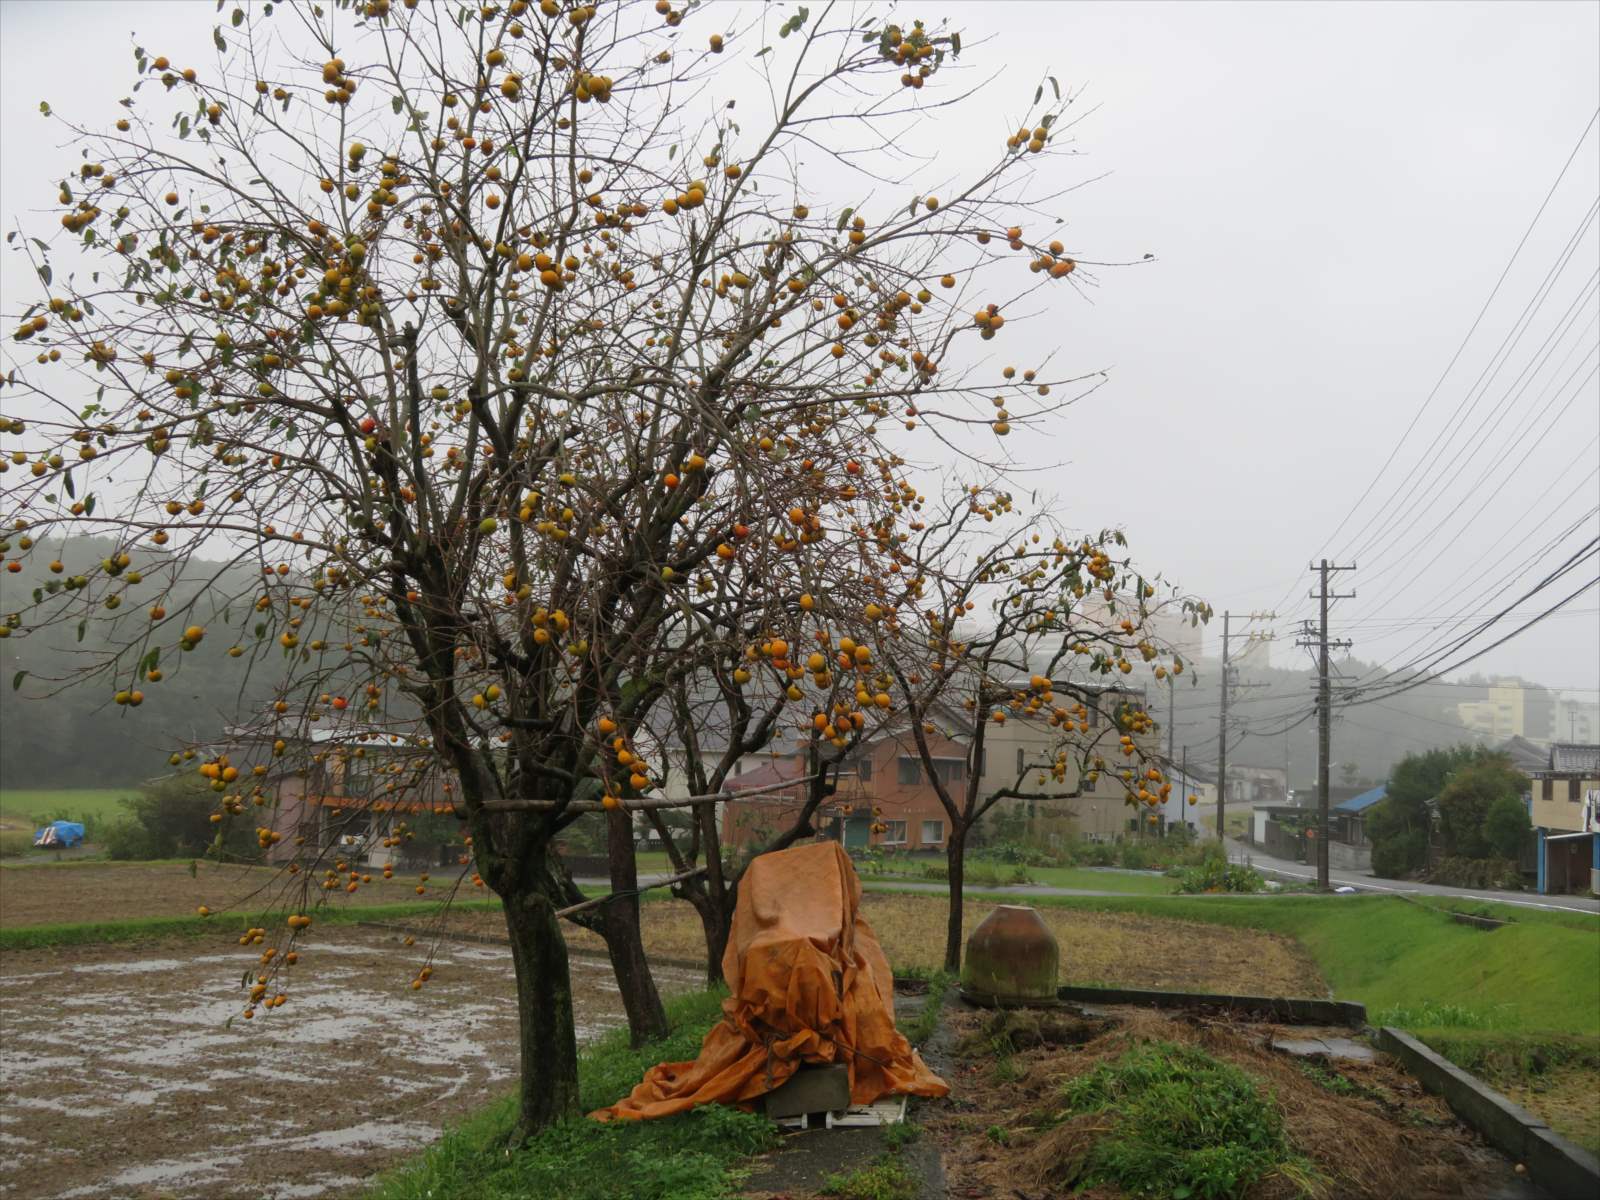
{"type": "Point", "coordinates": [1364, 801]}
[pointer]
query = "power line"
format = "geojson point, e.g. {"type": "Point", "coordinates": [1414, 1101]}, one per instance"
{"type": "Point", "coordinates": [1492, 645]}
{"type": "Point", "coordinates": [1472, 329]}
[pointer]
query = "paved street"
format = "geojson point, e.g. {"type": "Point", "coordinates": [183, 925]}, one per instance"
{"type": "Point", "coordinates": [1239, 852]}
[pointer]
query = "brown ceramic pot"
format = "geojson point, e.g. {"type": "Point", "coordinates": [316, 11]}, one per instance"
{"type": "Point", "coordinates": [1012, 957]}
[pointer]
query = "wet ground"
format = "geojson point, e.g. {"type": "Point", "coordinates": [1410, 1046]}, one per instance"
{"type": "Point", "coordinates": [120, 1077]}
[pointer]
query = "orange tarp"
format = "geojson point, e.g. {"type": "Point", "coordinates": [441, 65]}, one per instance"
{"type": "Point", "coordinates": [810, 984]}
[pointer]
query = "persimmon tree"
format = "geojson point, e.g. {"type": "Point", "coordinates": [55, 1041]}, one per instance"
{"type": "Point", "coordinates": [1001, 633]}
{"type": "Point", "coordinates": [536, 376]}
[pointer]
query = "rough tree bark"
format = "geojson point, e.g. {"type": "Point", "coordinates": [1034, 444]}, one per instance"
{"type": "Point", "coordinates": [956, 858]}
{"type": "Point", "coordinates": [548, 1078]}
{"type": "Point", "coordinates": [647, 1019]}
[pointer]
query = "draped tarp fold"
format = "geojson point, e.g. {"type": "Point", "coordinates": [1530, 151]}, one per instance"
{"type": "Point", "coordinates": [809, 983]}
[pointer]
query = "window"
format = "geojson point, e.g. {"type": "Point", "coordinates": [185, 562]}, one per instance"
{"type": "Point", "coordinates": [864, 769]}
{"type": "Point", "coordinates": [932, 833]}
{"type": "Point", "coordinates": [1573, 792]}
{"type": "Point", "coordinates": [894, 833]}
{"type": "Point", "coordinates": [947, 770]}
{"type": "Point", "coordinates": [1022, 761]}
{"type": "Point", "coordinates": [1548, 792]}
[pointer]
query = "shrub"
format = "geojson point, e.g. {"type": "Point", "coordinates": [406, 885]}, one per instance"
{"type": "Point", "coordinates": [172, 819]}
{"type": "Point", "coordinates": [1506, 826]}
{"type": "Point", "coordinates": [1217, 874]}
{"type": "Point", "coordinates": [1501, 874]}
{"type": "Point", "coordinates": [1397, 856]}
{"type": "Point", "coordinates": [1466, 800]}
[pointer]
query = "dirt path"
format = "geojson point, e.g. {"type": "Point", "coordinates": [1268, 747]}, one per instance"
{"type": "Point", "coordinates": [119, 1078]}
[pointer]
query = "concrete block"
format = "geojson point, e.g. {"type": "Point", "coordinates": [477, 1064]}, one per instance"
{"type": "Point", "coordinates": [816, 1088]}
{"type": "Point", "coordinates": [1566, 1171]}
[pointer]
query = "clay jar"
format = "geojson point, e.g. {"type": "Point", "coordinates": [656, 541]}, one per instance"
{"type": "Point", "coordinates": [1012, 957]}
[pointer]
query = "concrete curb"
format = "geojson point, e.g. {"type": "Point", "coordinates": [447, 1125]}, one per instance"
{"type": "Point", "coordinates": [1289, 1011]}
{"type": "Point", "coordinates": [1555, 1164]}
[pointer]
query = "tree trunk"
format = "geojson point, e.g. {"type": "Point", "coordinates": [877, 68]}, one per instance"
{"type": "Point", "coordinates": [647, 1019]}
{"type": "Point", "coordinates": [956, 860]}
{"type": "Point", "coordinates": [548, 1079]}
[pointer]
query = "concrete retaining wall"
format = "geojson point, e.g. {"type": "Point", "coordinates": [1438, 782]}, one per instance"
{"type": "Point", "coordinates": [1349, 858]}
{"type": "Point", "coordinates": [1289, 1011]}
{"type": "Point", "coordinates": [1555, 1164]}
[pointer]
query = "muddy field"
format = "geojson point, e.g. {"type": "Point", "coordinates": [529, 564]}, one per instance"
{"type": "Point", "coordinates": [119, 1076]}
{"type": "Point", "coordinates": [1118, 949]}
{"type": "Point", "coordinates": [48, 895]}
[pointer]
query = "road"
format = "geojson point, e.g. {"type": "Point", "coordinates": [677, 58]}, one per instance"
{"type": "Point", "coordinates": [1239, 852]}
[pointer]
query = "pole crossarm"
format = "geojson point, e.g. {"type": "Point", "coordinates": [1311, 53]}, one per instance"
{"type": "Point", "coordinates": [573, 909]}
{"type": "Point", "coordinates": [643, 803]}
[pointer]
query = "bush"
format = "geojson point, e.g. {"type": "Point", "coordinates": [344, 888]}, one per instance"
{"type": "Point", "coordinates": [1501, 874]}
{"type": "Point", "coordinates": [1466, 800]}
{"type": "Point", "coordinates": [1217, 874]}
{"type": "Point", "coordinates": [1397, 856]}
{"type": "Point", "coordinates": [1506, 827]}
{"type": "Point", "coordinates": [172, 819]}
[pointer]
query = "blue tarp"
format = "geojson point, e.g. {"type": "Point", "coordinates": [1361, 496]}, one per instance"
{"type": "Point", "coordinates": [59, 833]}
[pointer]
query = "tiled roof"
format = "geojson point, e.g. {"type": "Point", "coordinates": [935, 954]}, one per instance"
{"type": "Point", "coordinates": [1575, 757]}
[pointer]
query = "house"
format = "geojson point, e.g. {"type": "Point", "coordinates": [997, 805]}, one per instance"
{"type": "Point", "coordinates": [1566, 790]}
{"type": "Point", "coordinates": [1348, 847]}
{"type": "Point", "coordinates": [343, 787]}
{"type": "Point", "coordinates": [1564, 806]}
{"type": "Point", "coordinates": [883, 800]}
{"type": "Point", "coordinates": [1100, 811]}
{"type": "Point", "coordinates": [1257, 785]}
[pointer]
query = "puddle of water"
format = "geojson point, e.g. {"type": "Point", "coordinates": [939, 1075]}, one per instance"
{"type": "Point", "coordinates": [127, 968]}
{"type": "Point", "coordinates": [317, 1185]}
{"type": "Point", "coordinates": [187, 1172]}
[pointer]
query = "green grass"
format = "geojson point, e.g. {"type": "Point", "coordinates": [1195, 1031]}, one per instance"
{"type": "Point", "coordinates": [1089, 879]}
{"type": "Point", "coordinates": [39, 804]}
{"type": "Point", "coordinates": [1182, 1124]}
{"type": "Point", "coordinates": [886, 1179]}
{"type": "Point", "coordinates": [1539, 973]}
{"type": "Point", "coordinates": [927, 1019]}
{"type": "Point", "coordinates": [34, 937]}
{"type": "Point", "coordinates": [692, 1156]}
{"type": "Point", "coordinates": [987, 874]}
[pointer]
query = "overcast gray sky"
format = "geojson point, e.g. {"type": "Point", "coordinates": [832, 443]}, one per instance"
{"type": "Point", "coordinates": [1331, 192]}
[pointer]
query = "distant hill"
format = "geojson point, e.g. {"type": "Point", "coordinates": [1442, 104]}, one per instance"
{"type": "Point", "coordinates": [75, 736]}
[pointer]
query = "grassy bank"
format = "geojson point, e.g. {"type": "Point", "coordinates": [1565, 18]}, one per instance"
{"type": "Point", "coordinates": [83, 933]}
{"type": "Point", "coordinates": [1541, 972]}
{"type": "Point", "coordinates": [693, 1156]}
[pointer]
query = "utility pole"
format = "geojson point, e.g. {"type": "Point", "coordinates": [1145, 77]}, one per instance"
{"type": "Point", "coordinates": [1183, 802]}
{"type": "Point", "coordinates": [1222, 741]}
{"type": "Point", "coordinates": [1222, 717]}
{"type": "Point", "coordinates": [1319, 638]}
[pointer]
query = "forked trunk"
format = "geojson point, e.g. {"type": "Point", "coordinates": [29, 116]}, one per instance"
{"type": "Point", "coordinates": [548, 1079]}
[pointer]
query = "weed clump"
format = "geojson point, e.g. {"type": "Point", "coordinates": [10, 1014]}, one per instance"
{"type": "Point", "coordinates": [1168, 1120]}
